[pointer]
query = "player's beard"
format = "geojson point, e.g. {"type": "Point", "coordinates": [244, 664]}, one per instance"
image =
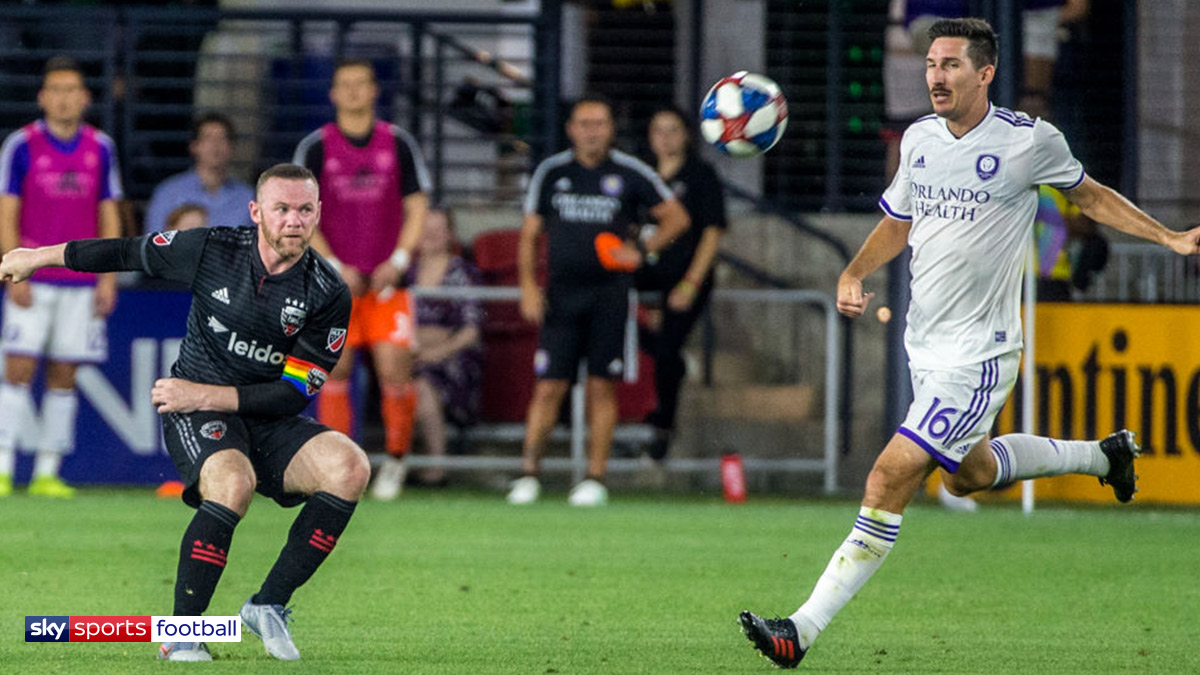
{"type": "Point", "coordinates": [287, 247]}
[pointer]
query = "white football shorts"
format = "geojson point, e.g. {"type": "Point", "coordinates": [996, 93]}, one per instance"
{"type": "Point", "coordinates": [60, 325]}
{"type": "Point", "coordinates": [952, 410]}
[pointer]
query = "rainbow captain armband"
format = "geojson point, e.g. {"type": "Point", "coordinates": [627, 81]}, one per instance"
{"type": "Point", "coordinates": [304, 376]}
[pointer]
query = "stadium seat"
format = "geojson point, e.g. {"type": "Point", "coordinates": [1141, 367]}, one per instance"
{"type": "Point", "coordinates": [509, 341]}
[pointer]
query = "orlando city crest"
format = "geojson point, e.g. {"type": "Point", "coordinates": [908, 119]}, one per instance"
{"type": "Point", "coordinates": [987, 166]}
{"type": "Point", "coordinates": [292, 316]}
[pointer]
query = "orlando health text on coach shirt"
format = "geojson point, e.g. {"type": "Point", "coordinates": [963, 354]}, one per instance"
{"type": "Point", "coordinates": [578, 203]}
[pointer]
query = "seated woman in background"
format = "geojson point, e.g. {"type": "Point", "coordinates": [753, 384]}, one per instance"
{"type": "Point", "coordinates": [448, 357]}
{"type": "Point", "coordinates": [187, 217]}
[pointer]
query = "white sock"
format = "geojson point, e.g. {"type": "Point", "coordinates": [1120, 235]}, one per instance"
{"type": "Point", "coordinates": [46, 463]}
{"type": "Point", "coordinates": [59, 408]}
{"type": "Point", "coordinates": [17, 405]}
{"type": "Point", "coordinates": [1021, 456]}
{"type": "Point", "coordinates": [852, 565]}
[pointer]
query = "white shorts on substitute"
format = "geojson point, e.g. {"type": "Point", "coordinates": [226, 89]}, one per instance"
{"type": "Point", "coordinates": [952, 410]}
{"type": "Point", "coordinates": [1040, 28]}
{"type": "Point", "coordinates": [60, 325]}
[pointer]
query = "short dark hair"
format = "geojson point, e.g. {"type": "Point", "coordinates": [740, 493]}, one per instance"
{"type": "Point", "coordinates": [60, 63]}
{"type": "Point", "coordinates": [213, 118]}
{"type": "Point", "coordinates": [589, 98]}
{"type": "Point", "coordinates": [355, 63]}
{"type": "Point", "coordinates": [285, 171]}
{"type": "Point", "coordinates": [981, 38]}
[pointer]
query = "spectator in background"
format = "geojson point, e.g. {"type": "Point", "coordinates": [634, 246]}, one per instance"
{"type": "Point", "coordinates": [208, 183]}
{"type": "Point", "coordinates": [1043, 22]}
{"type": "Point", "coordinates": [58, 181]}
{"type": "Point", "coordinates": [187, 217]}
{"type": "Point", "coordinates": [373, 191]}
{"type": "Point", "coordinates": [587, 199]}
{"type": "Point", "coordinates": [683, 272]}
{"type": "Point", "coordinates": [448, 360]}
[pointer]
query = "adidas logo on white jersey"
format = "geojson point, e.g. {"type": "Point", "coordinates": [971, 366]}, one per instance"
{"type": "Point", "coordinates": [222, 294]}
{"type": "Point", "coordinates": [920, 163]}
{"type": "Point", "coordinates": [216, 326]}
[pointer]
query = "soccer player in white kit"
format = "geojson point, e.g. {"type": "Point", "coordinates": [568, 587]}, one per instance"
{"type": "Point", "coordinates": [964, 200]}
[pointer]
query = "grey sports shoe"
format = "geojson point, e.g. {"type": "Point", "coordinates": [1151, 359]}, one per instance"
{"type": "Point", "coordinates": [184, 651]}
{"type": "Point", "coordinates": [1120, 449]}
{"type": "Point", "coordinates": [270, 624]}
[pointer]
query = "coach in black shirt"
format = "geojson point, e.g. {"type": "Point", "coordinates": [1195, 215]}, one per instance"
{"type": "Point", "coordinates": [580, 198]}
{"type": "Point", "coordinates": [267, 323]}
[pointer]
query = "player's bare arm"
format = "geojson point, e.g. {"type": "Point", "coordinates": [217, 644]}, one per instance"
{"type": "Point", "coordinates": [1109, 207]}
{"type": "Point", "coordinates": [10, 238]}
{"type": "Point", "coordinates": [20, 263]}
{"type": "Point", "coordinates": [673, 220]}
{"type": "Point", "coordinates": [532, 302]}
{"type": "Point", "coordinates": [354, 280]}
{"type": "Point", "coordinates": [175, 395]}
{"type": "Point", "coordinates": [684, 293]}
{"type": "Point", "coordinates": [416, 205]}
{"type": "Point", "coordinates": [106, 284]}
{"type": "Point", "coordinates": [886, 241]}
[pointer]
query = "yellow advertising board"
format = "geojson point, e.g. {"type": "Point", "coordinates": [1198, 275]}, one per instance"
{"type": "Point", "coordinates": [1107, 367]}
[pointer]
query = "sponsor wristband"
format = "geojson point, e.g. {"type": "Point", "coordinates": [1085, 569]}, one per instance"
{"type": "Point", "coordinates": [400, 259]}
{"type": "Point", "coordinates": [686, 286]}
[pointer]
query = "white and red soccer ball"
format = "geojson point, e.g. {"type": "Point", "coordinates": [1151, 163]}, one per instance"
{"type": "Point", "coordinates": [743, 115]}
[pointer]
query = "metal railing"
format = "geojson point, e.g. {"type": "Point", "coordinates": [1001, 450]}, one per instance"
{"type": "Point", "coordinates": [1145, 273]}
{"type": "Point", "coordinates": [576, 463]}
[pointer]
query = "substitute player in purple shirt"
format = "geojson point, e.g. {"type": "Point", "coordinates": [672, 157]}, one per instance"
{"type": "Point", "coordinates": [58, 181]}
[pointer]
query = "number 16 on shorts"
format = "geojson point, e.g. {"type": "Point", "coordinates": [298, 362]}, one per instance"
{"type": "Point", "coordinates": [953, 409]}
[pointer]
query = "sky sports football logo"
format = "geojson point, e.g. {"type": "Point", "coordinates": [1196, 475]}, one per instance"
{"type": "Point", "coordinates": [133, 629]}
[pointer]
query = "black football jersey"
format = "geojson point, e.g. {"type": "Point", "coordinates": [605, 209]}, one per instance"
{"type": "Point", "coordinates": [245, 325]}
{"type": "Point", "coordinates": [577, 203]}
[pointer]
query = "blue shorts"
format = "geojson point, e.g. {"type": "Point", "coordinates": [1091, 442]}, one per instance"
{"type": "Point", "coordinates": [952, 410]}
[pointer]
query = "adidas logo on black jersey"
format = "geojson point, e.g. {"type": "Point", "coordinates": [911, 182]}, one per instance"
{"type": "Point", "coordinates": [221, 294]}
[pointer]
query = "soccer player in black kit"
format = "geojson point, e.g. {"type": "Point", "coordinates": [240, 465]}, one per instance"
{"type": "Point", "coordinates": [267, 323]}
{"type": "Point", "coordinates": [580, 197]}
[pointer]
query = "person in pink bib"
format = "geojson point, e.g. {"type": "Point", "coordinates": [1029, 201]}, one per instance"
{"type": "Point", "coordinates": [58, 181]}
{"type": "Point", "coordinates": [374, 187]}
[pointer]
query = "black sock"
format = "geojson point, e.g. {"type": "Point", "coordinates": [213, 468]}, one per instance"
{"type": "Point", "coordinates": [311, 539]}
{"type": "Point", "coordinates": [202, 557]}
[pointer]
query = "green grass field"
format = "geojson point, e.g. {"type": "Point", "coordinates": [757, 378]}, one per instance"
{"type": "Point", "coordinates": [463, 583]}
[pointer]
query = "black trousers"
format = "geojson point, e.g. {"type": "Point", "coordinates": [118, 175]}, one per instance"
{"type": "Point", "coordinates": [666, 346]}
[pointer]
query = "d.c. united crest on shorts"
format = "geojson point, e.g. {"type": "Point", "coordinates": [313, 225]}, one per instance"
{"type": "Point", "coordinates": [214, 430]}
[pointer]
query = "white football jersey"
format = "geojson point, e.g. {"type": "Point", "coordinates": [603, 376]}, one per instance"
{"type": "Point", "coordinates": [972, 202]}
